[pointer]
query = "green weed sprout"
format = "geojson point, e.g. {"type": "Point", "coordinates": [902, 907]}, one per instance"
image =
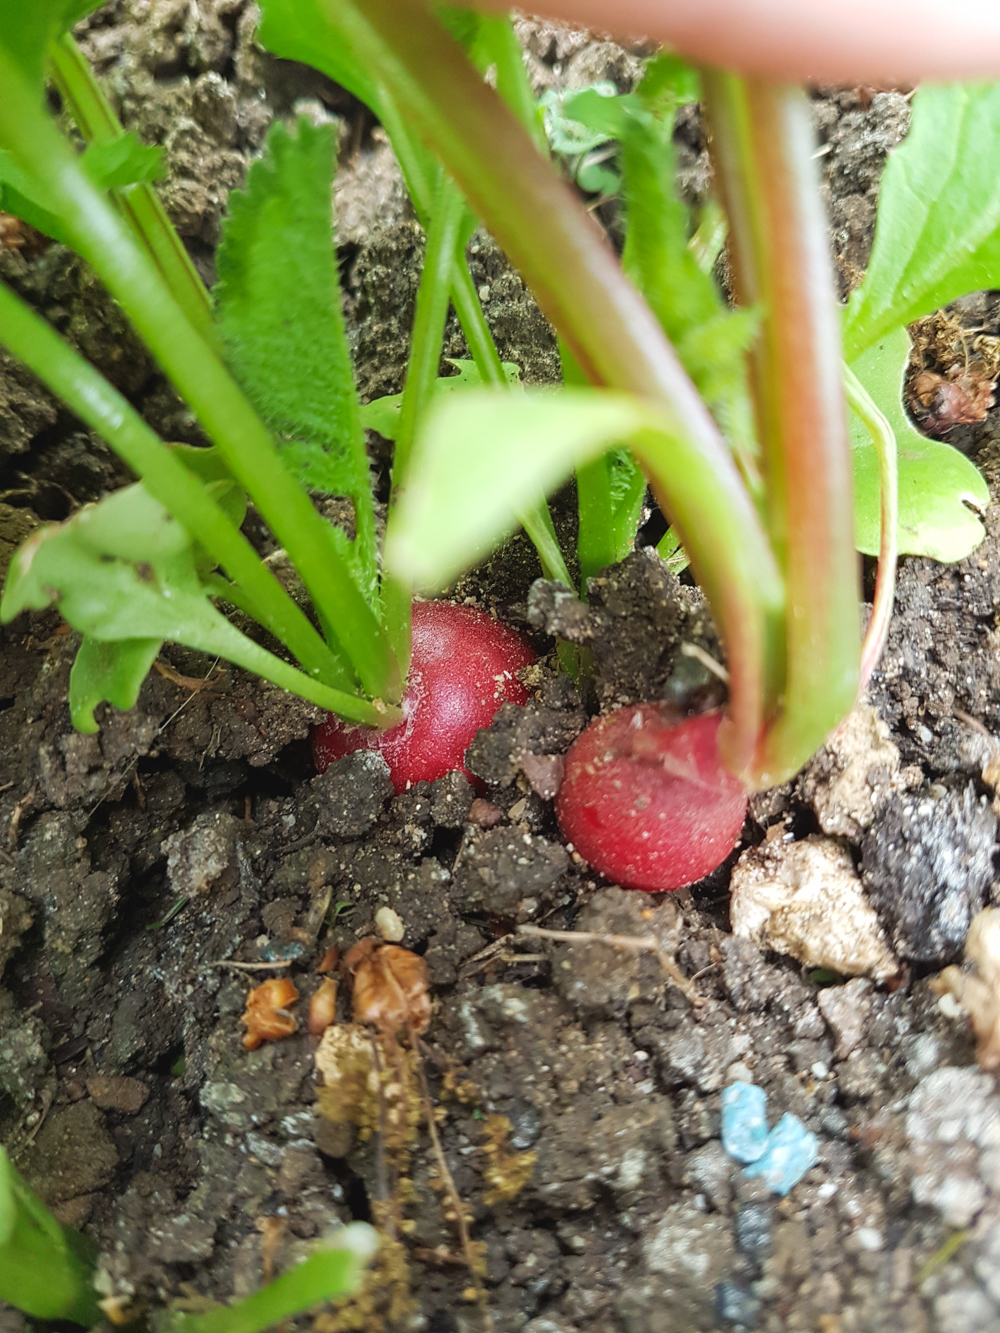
{"type": "Point", "coordinates": [46, 1269]}
{"type": "Point", "coordinates": [334, 1269]}
{"type": "Point", "coordinates": [738, 418]}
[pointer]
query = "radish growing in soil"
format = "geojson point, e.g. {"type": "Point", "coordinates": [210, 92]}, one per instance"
{"type": "Point", "coordinates": [463, 667]}
{"type": "Point", "coordinates": [646, 799]}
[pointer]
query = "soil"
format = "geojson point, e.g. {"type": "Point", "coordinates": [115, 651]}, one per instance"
{"type": "Point", "coordinates": [139, 866]}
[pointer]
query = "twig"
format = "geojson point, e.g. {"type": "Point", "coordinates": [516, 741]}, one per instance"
{"type": "Point", "coordinates": [706, 659]}
{"type": "Point", "coordinates": [633, 943]}
{"type": "Point", "coordinates": [253, 967]}
{"type": "Point", "coordinates": [458, 1208]}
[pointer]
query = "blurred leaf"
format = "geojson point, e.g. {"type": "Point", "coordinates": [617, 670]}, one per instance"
{"type": "Point", "coordinates": [28, 26]}
{"type": "Point", "coordinates": [335, 1268]}
{"type": "Point", "coordinates": [125, 160]}
{"type": "Point", "coordinates": [599, 119]}
{"type": "Point", "coordinates": [382, 414]}
{"type": "Point", "coordinates": [279, 308]}
{"type": "Point", "coordinates": [23, 197]}
{"type": "Point", "coordinates": [937, 484]}
{"type": "Point", "coordinates": [462, 500]}
{"type": "Point", "coordinates": [937, 231]}
{"type": "Point", "coordinates": [302, 30]}
{"type": "Point", "coordinates": [108, 671]}
{"type": "Point", "coordinates": [46, 1269]}
{"type": "Point", "coordinates": [711, 339]}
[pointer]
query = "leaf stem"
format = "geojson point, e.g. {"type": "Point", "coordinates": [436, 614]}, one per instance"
{"type": "Point", "coordinates": [192, 365]}
{"type": "Point", "coordinates": [91, 397]}
{"type": "Point", "coordinates": [884, 441]}
{"type": "Point", "coordinates": [779, 245]}
{"type": "Point", "coordinates": [140, 204]}
{"type": "Point", "coordinates": [579, 285]}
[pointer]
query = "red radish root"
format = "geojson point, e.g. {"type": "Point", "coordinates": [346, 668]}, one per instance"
{"type": "Point", "coordinates": [463, 667]}
{"type": "Point", "coordinates": [646, 800]}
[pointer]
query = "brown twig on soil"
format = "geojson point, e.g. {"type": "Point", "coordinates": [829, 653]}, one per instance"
{"type": "Point", "coordinates": [17, 814]}
{"type": "Point", "coordinates": [706, 659]}
{"type": "Point", "coordinates": [193, 683]}
{"type": "Point", "coordinates": [633, 943]}
{"type": "Point", "coordinates": [472, 1261]}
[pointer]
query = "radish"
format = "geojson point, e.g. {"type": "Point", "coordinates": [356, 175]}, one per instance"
{"type": "Point", "coordinates": [463, 667]}
{"type": "Point", "coordinates": [645, 798]}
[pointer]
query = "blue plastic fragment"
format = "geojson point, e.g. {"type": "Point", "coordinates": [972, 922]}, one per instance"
{"type": "Point", "coordinates": [791, 1150]}
{"type": "Point", "coordinates": [744, 1121]}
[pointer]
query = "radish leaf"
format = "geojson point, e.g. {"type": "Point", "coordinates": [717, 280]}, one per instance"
{"type": "Point", "coordinates": [941, 493]}
{"type": "Point", "coordinates": [938, 230]}
{"type": "Point", "coordinates": [279, 308]}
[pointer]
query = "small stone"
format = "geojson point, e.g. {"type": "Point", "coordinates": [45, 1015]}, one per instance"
{"type": "Point", "coordinates": [127, 1095]}
{"type": "Point", "coordinates": [852, 774]}
{"type": "Point", "coordinates": [753, 1225]}
{"type": "Point", "coordinates": [791, 1150]}
{"type": "Point", "coordinates": [204, 856]}
{"type": "Point", "coordinates": [735, 1305]}
{"type": "Point", "coordinates": [846, 1009]}
{"type": "Point", "coordinates": [389, 925]}
{"type": "Point", "coordinates": [805, 899]}
{"type": "Point", "coordinates": [927, 865]}
{"type": "Point", "coordinates": [744, 1121]}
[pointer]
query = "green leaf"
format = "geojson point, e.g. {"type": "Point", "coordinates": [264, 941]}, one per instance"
{"type": "Point", "coordinates": [598, 118]}
{"type": "Point", "coordinates": [29, 25]}
{"type": "Point", "coordinates": [108, 671]}
{"type": "Point", "coordinates": [941, 493]}
{"type": "Point", "coordinates": [937, 233]}
{"type": "Point", "coordinates": [382, 414]}
{"type": "Point", "coordinates": [279, 308]}
{"type": "Point", "coordinates": [125, 160]}
{"type": "Point", "coordinates": [22, 196]}
{"type": "Point", "coordinates": [461, 501]}
{"type": "Point", "coordinates": [46, 1269]}
{"type": "Point", "coordinates": [123, 570]}
{"type": "Point", "coordinates": [110, 165]}
{"type": "Point", "coordinates": [302, 30]}
{"type": "Point", "coordinates": [711, 340]}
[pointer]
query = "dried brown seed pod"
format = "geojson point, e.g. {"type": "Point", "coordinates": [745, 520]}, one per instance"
{"type": "Point", "coordinates": [267, 1017]}
{"type": "Point", "coordinates": [323, 1007]}
{"type": "Point", "coordinates": [390, 987]}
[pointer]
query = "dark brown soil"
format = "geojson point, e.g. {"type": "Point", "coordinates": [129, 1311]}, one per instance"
{"type": "Point", "coordinates": [137, 865]}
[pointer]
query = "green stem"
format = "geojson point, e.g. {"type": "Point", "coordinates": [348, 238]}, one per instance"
{"type": "Point", "coordinates": [431, 315]}
{"type": "Point", "coordinates": [433, 297]}
{"type": "Point", "coordinates": [498, 42]}
{"type": "Point", "coordinates": [579, 285]}
{"type": "Point", "coordinates": [536, 521]}
{"type": "Point", "coordinates": [884, 441]}
{"type": "Point", "coordinates": [194, 368]}
{"type": "Point", "coordinates": [140, 204]}
{"type": "Point", "coordinates": [779, 245]}
{"type": "Point", "coordinates": [94, 401]}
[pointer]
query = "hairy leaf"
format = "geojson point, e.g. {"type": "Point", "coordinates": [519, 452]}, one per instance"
{"type": "Point", "coordinates": [937, 234]}
{"type": "Point", "coordinates": [279, 306]}
{"type": "Point", "coordinates": [382, 414]}
{"type": "Point", "coordinates": [941, 493]}
{"type": "Point", "coordinates": [108, 671]}
{"type": "Point", "coordinates": [123, 570]}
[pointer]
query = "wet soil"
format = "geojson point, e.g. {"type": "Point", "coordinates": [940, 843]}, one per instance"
{"type": "Point", "coordinates": [138, 866]}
